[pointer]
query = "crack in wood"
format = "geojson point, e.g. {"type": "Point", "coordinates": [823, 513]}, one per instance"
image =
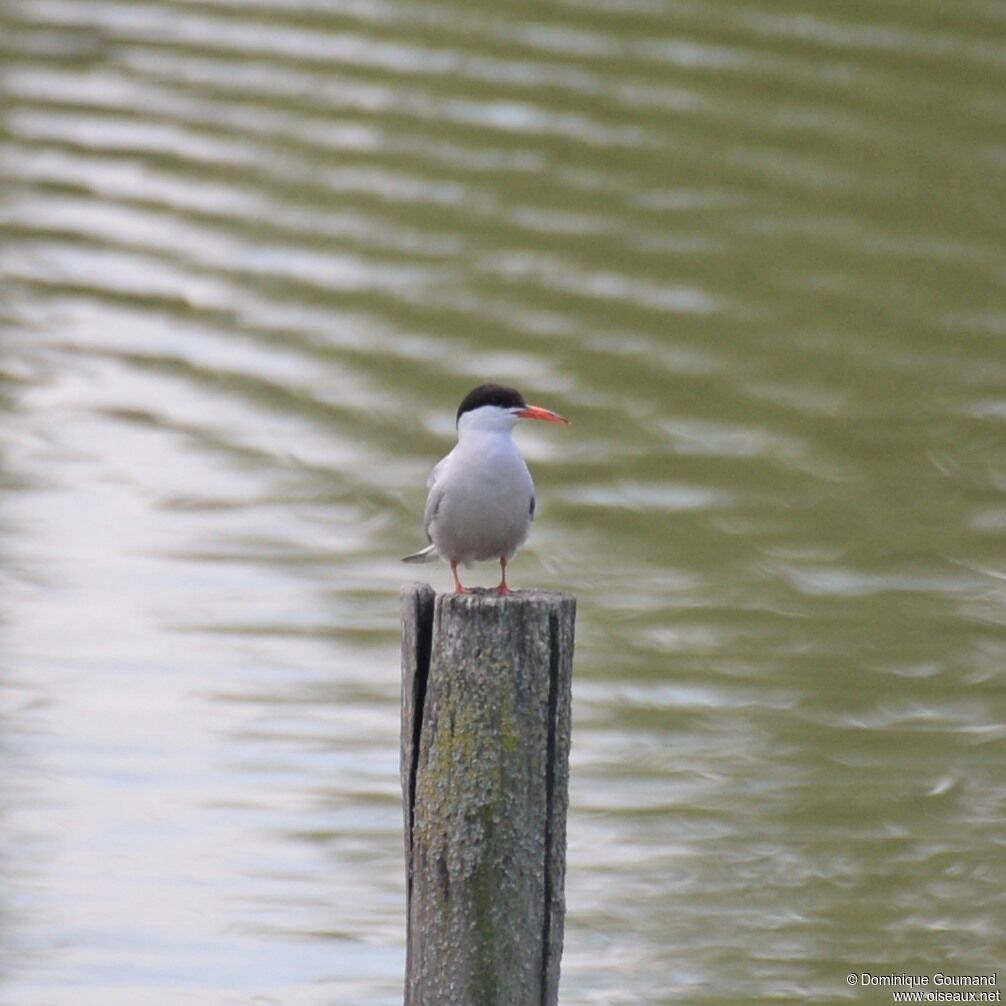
{"type": "Point", "coordinates": [552, 726]}
{"type": "Point", "coordinates": [424, 646]}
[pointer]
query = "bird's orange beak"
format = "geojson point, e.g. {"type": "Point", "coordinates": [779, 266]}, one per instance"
{"type": "Point", "coordinates": [536, 412]}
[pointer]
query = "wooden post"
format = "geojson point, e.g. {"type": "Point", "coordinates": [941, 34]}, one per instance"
{"type": "Point", "coordinates": [485, 768]}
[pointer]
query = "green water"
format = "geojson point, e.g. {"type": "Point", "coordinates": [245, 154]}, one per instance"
{"type": "Point", "coordinates": [253, 255]}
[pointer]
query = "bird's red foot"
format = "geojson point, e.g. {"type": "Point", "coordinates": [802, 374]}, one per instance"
{"type": "Point", "coordinates": [458, 588]}
{"type": "Point", "coordinates": [503, 588]}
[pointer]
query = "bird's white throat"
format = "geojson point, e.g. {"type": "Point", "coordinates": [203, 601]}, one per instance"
{"type": "Point", "coordinates": [487, 419]}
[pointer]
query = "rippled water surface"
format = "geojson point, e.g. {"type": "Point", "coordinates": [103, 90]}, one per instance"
{"type": "Point", "coordinates": [253, 255]}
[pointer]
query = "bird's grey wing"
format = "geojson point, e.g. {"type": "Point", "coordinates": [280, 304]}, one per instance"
{"type": "Point", "coordinates": [435, 483]}
{"type": "Point", "coordinates": [433, 501]}
{"type": "Point", "coordinates": [438, 470]}
{"type": "Point", "coordinates": [530, 509]}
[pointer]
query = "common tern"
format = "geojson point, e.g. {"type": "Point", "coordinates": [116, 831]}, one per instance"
{"type": "Point", "coordinates": [481, 500]}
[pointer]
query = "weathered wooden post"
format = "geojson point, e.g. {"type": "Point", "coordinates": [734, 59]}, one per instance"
{"type": "Point", "coordinates": [485, 767]}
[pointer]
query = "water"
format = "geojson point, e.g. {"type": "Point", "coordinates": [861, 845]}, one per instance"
{"type": "Point", "coordinates": [254, 254]}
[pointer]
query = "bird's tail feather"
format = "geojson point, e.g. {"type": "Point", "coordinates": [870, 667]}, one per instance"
{"type": "Point", "coordinates": [428, 554]}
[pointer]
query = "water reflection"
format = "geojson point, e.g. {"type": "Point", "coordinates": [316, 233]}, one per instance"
{"type": "Point", "coordinates": [253, 256]}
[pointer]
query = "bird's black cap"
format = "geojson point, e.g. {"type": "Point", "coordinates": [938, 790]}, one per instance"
{"type": "Point", "coordinates": [491, 394]}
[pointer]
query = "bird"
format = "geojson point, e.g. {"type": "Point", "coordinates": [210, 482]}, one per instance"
{"type": "Point", "coordinates": [481, 498]}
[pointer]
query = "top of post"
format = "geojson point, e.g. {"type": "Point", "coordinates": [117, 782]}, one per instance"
{"type": "Point", "coordinates": [477, 597]}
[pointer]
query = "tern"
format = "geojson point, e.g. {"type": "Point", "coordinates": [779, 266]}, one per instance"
{"type": "Point", "coordinates": [481, 500]}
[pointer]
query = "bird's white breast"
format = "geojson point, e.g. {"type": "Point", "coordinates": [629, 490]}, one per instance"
{"type": "Point", "coordinates": [480, 500]}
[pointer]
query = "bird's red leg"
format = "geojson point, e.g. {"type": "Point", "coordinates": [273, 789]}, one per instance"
{"type": "Point", "coordinates": [458, 589]}
{"type": "Point", "coordinates": [503, 588]}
